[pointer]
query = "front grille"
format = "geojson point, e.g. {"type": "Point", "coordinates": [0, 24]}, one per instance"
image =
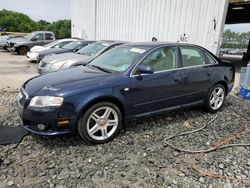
{"type": "Point", "coordinates": [11, 44]}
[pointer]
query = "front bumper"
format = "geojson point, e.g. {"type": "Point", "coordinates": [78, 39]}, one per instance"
{"type": "Point", "coordinates": [11, 49]}
{"type": "Point", "coordinates": [49, 117]}
{"type": "Point", "coordinates": [32, 56]}
{"type": "Point", "coordinates": [46, 133]}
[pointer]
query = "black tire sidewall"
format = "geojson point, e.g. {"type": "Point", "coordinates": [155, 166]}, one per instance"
{"type": "Point", "coordinates": [21, 49]}
{"type": "Point", "coordinates": [82, 122]}
{"type": "Point", "coordinates": [208, 106]}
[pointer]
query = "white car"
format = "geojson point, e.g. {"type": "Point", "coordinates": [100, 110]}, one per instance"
{"type": "Point", "coordinates": [33, 53]}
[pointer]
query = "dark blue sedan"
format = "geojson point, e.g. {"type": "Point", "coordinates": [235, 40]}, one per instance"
{"type": "Point", "coordinates": [129, 81]}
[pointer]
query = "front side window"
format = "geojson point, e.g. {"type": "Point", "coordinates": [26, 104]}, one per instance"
{"type": "Point", "coordinates": [192, 57]}
{"type": "Point", "coordinates": [161, 59]}
{"type": "Point", "coordinates": [39, 36]}
{"type": "Point", "coordinates": [210, 60]}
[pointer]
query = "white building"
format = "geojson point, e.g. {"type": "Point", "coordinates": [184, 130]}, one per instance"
{"type": "Point", "coordinates": [197, 21]}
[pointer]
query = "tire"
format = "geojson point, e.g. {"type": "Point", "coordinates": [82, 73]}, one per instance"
{"type": "Point", "coordinates": [23, 50]}
{"type": "Point", "coordinates": [100, 123]}
{"type": "Point", "coordinates": [216, 98]}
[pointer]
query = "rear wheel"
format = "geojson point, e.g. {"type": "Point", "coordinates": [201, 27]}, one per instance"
{"type": "Point", "coordinates": [23, 50]}
{"type": "Point", "coordinates": [216, 98]}
{"type": "Point", "coordinates": [100, 123]}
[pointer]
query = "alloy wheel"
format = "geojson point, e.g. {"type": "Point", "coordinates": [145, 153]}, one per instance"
{"type": "Point", "coordinates": [217, 98]}
{"type": "Point", "coordinates": [102, 123]}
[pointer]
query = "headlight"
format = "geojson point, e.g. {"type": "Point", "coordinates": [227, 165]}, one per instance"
{"type": "Point", "coordinates": [60, 65]}
{"type": "Point", "coordinates": [46, 101]}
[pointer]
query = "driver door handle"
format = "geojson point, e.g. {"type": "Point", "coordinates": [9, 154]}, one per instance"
{"type": "Point", "coordinates": [178, 79]}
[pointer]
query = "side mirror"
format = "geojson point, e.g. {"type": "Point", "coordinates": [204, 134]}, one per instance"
{"type": "Point", "coordinates": [34, 39]}
{"type": "Point", "coordinates": [144, 69]}
{"type": "Point", "coordinates": [75, 50]}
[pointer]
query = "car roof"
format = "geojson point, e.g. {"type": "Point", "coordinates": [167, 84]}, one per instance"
{"type": "Point", "coordinates": [42, 32]}
{"type": "Point", "coordinates": [158, 44]}
{"type": "Point", "coordinates": [111, 42]}
{"type": "Point", "coordinates": [80, 40]}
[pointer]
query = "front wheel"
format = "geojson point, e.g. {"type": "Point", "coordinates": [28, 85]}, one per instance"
{"type": "Point", "coordinates": [216, 98]}
{"type": "Point", "coordinates": [23, 50]}
{"type": "Point", "coordinates": [100, 123]}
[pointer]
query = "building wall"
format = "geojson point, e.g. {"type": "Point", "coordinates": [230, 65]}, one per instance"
{"type": "Point", "coordinates": [139, 20]}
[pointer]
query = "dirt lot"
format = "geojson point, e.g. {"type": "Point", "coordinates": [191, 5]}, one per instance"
{"type": "Point", "coordinates": [137, 158]}
{"type": "Point", "coordinates": [14, 70]}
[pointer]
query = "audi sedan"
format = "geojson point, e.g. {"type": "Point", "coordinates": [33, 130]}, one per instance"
{"type": "Point", "coordinates": [130, 81]}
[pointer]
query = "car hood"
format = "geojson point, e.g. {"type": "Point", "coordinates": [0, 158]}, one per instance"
{"type": "Point", "coordinates": [61, 82]}
{"type": "Point", "coordinates": [19, 40]}
{"type": "Point", "coordinates": [54, 50]}
{"type": "Point", "coordinates": [73, 57]}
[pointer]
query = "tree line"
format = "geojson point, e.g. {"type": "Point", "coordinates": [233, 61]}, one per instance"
{"type": "Point", "coordinates": [232, 39]}
{"type": "Point", "coordinates": [18, 22]}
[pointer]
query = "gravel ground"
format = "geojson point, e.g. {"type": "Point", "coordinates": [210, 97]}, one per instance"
{"type": "Point", "coordinates": [136, 158]}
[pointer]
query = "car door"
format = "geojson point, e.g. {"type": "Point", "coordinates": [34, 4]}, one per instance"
{"type": "Point", "coordinates": [38, 39]}
{"type": "Point", "coordinates": [160, 90]}
{"type": "Point", "coordinates": [48, 38]}
{"type": "Point", "coordinates": [197, 75]}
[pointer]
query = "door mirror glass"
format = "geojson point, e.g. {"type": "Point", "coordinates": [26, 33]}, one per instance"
{"type": "Point", "coordinates": [144, 69]}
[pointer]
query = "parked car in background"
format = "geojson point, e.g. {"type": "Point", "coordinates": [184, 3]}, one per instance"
{"type": "Point", "coordinates": [132, 80]}
{"type": "Point", "coordinates": [237, 51]}
{"type": "Point", "coordinates": [81, 57]}
{"type": "Point", "coordinates": [34, 51]}
{"type": "Point", "coordinates": [5, 38]}
{"type": "Point", "coordinates": [24, 44]}
{"type": "Point", "coordinates": [70, 47]}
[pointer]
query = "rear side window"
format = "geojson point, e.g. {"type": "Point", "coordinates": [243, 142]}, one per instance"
{"type": "Point", "coordinates": [48, 36]}
{"type": "Point", "coordinates": [210, 60]}
{"type": "Point", "coordinates": [192, 57]}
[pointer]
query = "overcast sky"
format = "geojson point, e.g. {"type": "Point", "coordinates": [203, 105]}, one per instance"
{"type": "Point", "coordinates": [238, 27]}
{"type": "Point", "coordinates": [49, 10]}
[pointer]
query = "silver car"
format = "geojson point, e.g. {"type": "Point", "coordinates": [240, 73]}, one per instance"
{"type": "Point", "coordinates": [81, 57]}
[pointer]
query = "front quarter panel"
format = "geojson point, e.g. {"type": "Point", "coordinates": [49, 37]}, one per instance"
{"type": "Point", "coordinates": [108, 89]}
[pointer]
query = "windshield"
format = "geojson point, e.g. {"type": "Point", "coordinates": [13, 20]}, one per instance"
{"type": "Point", "coordinates": [71, 45]}
{"type": "Point", "coordinates": [92, 49]}
{"type": "Point", "coordinates": [29, 36]}
{"type": "Point", "coordinates": [51, 44]}
{"type": "Point", "coordinates": [118, 59]}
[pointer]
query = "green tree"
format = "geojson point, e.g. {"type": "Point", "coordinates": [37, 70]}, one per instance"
{"type": "Point", "coordinates": [18, 22]}
{"type": "Point", "coordinates": [235, 40]}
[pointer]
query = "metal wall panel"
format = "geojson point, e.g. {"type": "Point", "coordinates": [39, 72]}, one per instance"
{"type": "Point", "coordinates": [140, 20]}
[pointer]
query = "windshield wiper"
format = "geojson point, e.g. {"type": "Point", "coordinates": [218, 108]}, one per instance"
{"type": "Point", "coordinates": [102, 69]}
